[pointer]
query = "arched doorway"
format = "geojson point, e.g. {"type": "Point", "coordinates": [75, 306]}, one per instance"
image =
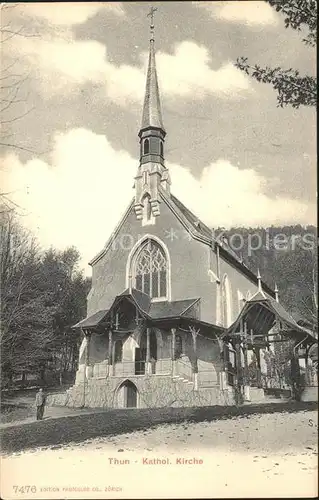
{"type": "Point", "coordinates": [127, 395]}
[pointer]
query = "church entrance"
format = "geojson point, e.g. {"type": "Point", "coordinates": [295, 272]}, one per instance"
{"type": "Point", "coordinates": [131, 395]}
{"type": "Point", "coordinates": [127, 395]}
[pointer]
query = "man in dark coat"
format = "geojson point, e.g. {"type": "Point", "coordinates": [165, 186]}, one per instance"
{"type": "Point", "coordinates": [40, 403]}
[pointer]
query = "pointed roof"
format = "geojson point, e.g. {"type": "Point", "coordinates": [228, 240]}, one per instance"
{"type": "Point", "coordinates": [152, 311]}
{"type": "Point", "coordinates": [152, 114]}
{"type": "Point", "coordinates": [195, 227]}
{"type": "Point", "coordinates": [259, 295]}
{"type": "Point", "coordinates": [261, 313]}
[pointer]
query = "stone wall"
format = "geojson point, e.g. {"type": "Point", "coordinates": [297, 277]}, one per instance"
{"type": "Point", "coordinates": [153, 392]}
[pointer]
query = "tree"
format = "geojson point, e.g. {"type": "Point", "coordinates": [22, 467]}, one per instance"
{"type": "Point", "coordinates": [293, 267]}
{"type": "Point", "coordinates": [25, 317]}
{"type": "Point", "coordinates": [292, 88]}
{"type": "Point", "coordinates": [67, 290]}
{"type": "Point", "coordinates": [42, 295]}
{"type": "Point", "coordinates": [279, 364]}
{"type": "Point", "coordinates": [13, 97]}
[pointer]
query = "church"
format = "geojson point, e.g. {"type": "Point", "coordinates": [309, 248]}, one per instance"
{"type": "Point", "coordinates": [173, 316]}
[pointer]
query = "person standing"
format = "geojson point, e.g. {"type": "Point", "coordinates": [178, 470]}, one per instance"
{"type": "Point", "coordinates": [40, 403]}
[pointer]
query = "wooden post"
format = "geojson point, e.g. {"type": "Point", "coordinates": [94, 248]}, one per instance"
{"type": "Point", "coordinates": [246, 350]}
{"type": "Point", "coordinates": [88, 350]}
{"type": "Point", "coordinates": [173, 331]}
{"type": "Point", "coordinates": [238, 371]}
{"type": "Point", "coordinates": [295, 373]}
{"type": "Point", "coordinates": [257, 352]}
{"type": "Point", "coordinates": [194, 335]}
{"type": "Point", "coordinates": [86, 364]}
{"type": "Point", "coordinates": [195, 366]}
{"type": "Point", "coordinates": [225, 357]}
{"type": "Point", "coordinates": [219, 299]}
{"type": "Point", "coordinates": [110, 351]}
{"type": "Point", "coordinates": [224, 372]}
{"type": "Point", "coordinates": [84, 370]}
{"type": "Point", "coordinates": [246, 370]}
{"type": "Point", "coordinates": [148, 354]}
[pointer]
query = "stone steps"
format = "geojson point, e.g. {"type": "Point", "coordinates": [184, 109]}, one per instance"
{"type": "Point", "coordinates": [182, 379]}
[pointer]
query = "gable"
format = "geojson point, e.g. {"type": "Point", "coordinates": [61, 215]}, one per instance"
{"type": "Point", "coordinates": [194, 227]}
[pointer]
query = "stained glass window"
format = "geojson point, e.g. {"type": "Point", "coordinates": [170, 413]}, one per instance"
{"type": "Point", "coordinates": [151, 270]}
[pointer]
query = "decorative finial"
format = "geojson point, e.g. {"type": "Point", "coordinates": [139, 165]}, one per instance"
{"type": "Point", "coordinates": [259, 281]}
{"type": "Point", "coordinates": [151, 15]}
{"type": "Point", "coordinates": [276, 293]}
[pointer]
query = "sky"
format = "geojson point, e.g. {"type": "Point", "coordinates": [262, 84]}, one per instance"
{"type": "Point", "coordinates": [234, 157]}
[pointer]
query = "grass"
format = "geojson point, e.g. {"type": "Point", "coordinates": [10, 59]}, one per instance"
{"type": "Point", "coordinates": [75, 429]}
{"type": "Point", "coordinates": [11, 413]}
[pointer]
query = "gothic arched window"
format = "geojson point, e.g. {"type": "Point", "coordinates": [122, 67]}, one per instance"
{"type": "Point", "coordinates": [146, 146]}
{"type": "Point", "coordinates": [161, 149]}
{"type": "Point", "coordinates": [150, 270]}
{"type": "Point", "coordinates": [226, 301]}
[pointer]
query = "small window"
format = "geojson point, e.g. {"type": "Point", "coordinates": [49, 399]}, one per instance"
{"type": "Point", "coordinates": [161, 149]}
{"type": "Point", "coordinates": [145, 178]}
{"type": "Point", "coordinates": [147, 209]}
{"type": "Point", "coordinates": [146, 146]}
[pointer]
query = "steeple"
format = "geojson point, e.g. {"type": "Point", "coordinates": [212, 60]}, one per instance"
{"type": "Point", "coordinates": [152, 174]}
{"type": "Point", "coordinates": [152, 114]}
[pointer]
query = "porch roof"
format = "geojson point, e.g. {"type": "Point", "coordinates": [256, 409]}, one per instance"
{"type": "Point", "coordinates": [261, 313]}
{"type": "Point", "coordinates": [171, 309]}
{"type": "Point", "coordinates": [92, 321]}
{"type": "Point", "coordinates": [152, 311]}
{"type": "Point", "coordinates": [156, 310]}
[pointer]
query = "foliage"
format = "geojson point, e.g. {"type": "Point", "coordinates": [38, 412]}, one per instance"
{"type": "Point", "coordinates": [292, 266]}
{"type": "Point", "coordinates": [14, 97]}
{"type": "Point", "coordinates": [292, 88]}
{"type": "Point", "coordinates": [42, 295]}
{"type": "Point", "coordinates": [278, 363]}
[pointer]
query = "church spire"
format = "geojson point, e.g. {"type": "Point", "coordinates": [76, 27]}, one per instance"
{"type": "Point", "coordinates": [152, 174]}
{"type": "Point", "coordinates": [152, 114]}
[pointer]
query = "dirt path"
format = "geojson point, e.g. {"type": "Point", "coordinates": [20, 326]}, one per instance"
{"type": "Point", "coordinates": [50, 412]}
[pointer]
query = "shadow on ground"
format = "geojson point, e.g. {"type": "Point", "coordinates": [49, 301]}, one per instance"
{"type": "Point", "coordinates": [78, 428]}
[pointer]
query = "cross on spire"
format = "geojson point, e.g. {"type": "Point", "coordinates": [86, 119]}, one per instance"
{"type": "Point", "coordinates": [151, 15]}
